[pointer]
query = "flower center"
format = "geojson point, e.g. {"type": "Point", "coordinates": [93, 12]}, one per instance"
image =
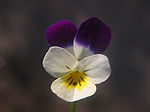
{"type": "Point", "coordinates": [75, 79]}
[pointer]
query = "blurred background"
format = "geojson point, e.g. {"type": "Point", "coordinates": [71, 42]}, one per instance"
{"type": "Point", "coordinates": [24, 84]}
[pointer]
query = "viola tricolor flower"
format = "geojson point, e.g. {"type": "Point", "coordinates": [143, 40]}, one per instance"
{"type": "Point", "coordinates": [75, 57]}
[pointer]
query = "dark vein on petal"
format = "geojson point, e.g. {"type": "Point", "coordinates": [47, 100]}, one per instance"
{"type": "Point", "coordinates": [86, 70]}
{"type": "Point", "coordinates": [69, 78]}
{"type": "Point", "coordinates": [79, 82]}
{"type": "Point", "coordinates": [82, 78]}
{"type": "Point", "coordinates": [70, 82]}
{"type": "Point", "coordinates": [67, 66]}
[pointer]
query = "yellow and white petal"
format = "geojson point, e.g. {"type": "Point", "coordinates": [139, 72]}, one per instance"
{"type": "Point", "coordinates": [96, 68]}
{"type": "Point", "coordinates": [80, 51]}
{"type": "Point", "coordinates": [58, 61]}
{"type": "Point", "coordinates": [73, 86]}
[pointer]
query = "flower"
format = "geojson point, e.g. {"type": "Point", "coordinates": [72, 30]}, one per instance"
{"type": "Point", "coordinates": [75, 58]}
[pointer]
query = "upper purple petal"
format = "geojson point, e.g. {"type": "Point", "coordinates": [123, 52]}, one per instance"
{"type": "Point", "coordinates": [61, 34]}
{"type": "Point", "coordinates": [93, 33]}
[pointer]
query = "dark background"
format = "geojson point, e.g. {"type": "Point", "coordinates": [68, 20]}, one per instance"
{"type": "Point", "coordinates": [24, 84]}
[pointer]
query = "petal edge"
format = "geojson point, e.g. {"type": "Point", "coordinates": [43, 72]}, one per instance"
{"type": "Point", "coordinates": [96, 67]}
{"type": "Point", "coordinates": [58, 61]}
{"type": "Point", "coordinates": [94, 34]}
{"type": "Point", "coordinates": [61, 34]}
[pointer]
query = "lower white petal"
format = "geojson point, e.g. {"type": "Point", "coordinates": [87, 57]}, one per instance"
{"type": "Point", "coordinates": [58, 61]}
{"type": "Point", "coordinates": [74, 88]}
{"type": "Point", "coordinates": [96, 68]}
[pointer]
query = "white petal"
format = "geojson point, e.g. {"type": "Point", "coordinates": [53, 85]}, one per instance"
{"type": "Point", "coordinates": [96, 67]}
{"type": "Point", "coordinates": [80, 51]}
{"type": "Point", "coordinates": [58, 61]}
{"type": "Point", "coordinates": [71, 94]}
{"type": "Point", "coordinates": [85, 92]}
{"type": "Point", "coordinates": [70, 49]}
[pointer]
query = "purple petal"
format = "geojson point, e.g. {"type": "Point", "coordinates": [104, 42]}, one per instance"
{"type": "Point", "coordinates": [93, 33]}
{"type": "Point", "coordinates": [61, 34]}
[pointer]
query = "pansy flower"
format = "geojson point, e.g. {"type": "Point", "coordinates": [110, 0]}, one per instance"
{"type": "Point", "coordinates": [75, 57]}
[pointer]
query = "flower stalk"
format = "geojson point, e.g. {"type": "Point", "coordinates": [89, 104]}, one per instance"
{"type": "Point", "coordinates": [73, 107]}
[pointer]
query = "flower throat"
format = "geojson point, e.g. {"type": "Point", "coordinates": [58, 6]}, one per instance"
{"type": "Point", "coordinates": [75, 79]}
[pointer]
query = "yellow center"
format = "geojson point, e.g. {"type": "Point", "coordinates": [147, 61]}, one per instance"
{"type": "Point", "coordinates": [75, 80]}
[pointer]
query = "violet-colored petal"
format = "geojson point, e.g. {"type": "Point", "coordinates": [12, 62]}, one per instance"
{"type": "Point", "coordinates": [93, 33]}
{"type": "Point", "coordinates": [61, 34]}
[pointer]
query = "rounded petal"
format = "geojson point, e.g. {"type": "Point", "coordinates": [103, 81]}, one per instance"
{"type": "Point", "coordinates": [71, 94]}
{"type": "Point", "coordinates": [58, 61]}
{"type": "Point", "coordinates": [61, 34]}
{"type": "Point", "coordinates": [93, 33]}
{"type": "Point", "coordinates": [96, 68]}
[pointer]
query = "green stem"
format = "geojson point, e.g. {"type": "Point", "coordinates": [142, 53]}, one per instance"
{"type": "Point", "coordinates": [73, 106]}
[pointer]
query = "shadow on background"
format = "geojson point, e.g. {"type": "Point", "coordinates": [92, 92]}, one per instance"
{"type": "Point", "coordinates": [24, 84]}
